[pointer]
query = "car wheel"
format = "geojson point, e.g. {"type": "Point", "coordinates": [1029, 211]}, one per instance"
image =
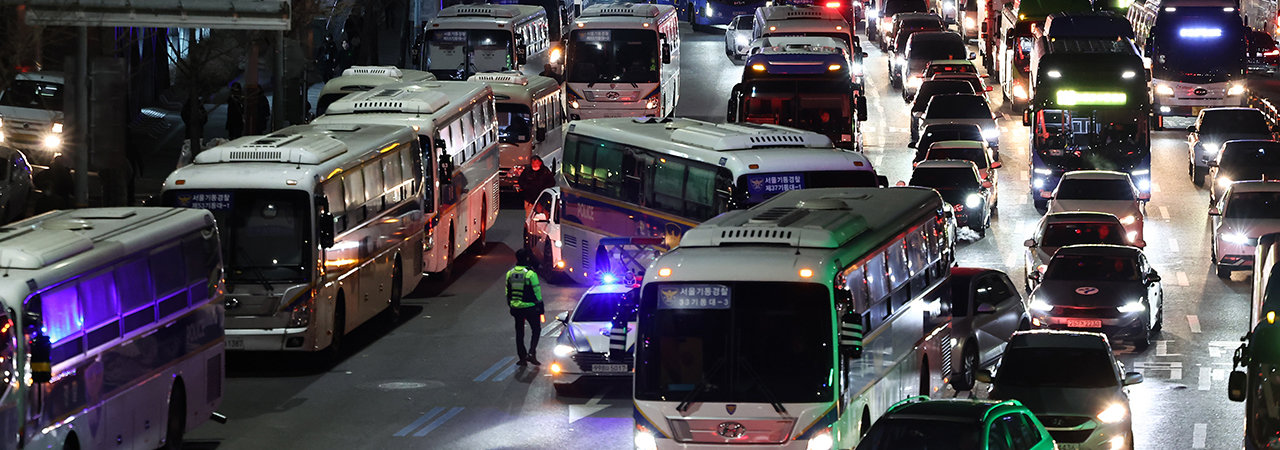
{"type": "Point", "coordinates": [1222, 271]}
{"type": "Point", "coordinates": [1159, 325]}
{"type": "Point", "coordinates": [964, 380]}
{"type": "Point", "coordinates": [1197, 175]}
{"type": "Point", "coordinates": [1143, 341]}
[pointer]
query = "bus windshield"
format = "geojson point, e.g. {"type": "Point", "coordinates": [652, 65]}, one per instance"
{"type": "Point", "coordinates": [33, 94]}
{"type": "Point", "coordinates": [613, 56]}
{"type": "Point", "coordinates": [458, 54]}
{"type": "Point", "coordinates": [265, 234]}
{"type": "Point", "coordinates": [1199, 45]}
{"type": "Point", "coordinates": [514, 123]}
{"type": "Point", "coordinates": [719, 343]}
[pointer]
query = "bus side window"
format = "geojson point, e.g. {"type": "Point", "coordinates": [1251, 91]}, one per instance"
{"type": "Point", "coordinates": [63, 321]}
{"type": "Point", "coordinates": [392, 177]}
{"type": "Point", "coordinates": [353, 182]}
{"type": "Point", "coordinates": [573, 160]}
{"type": "Point", "coordinates": [897, 264]}
{"type": "Point", "coordinates": [668, 186]}
{"type": "Point", "coordinates": [8, 347]}
{"type": "Point", "coordinates": [877, 290]}
{"type": "Point", "coordinates": [167, 272]}
{"type": "Point", "coordinates": [699, 192]}
{"type": "Point", "coordinates": [134, 282]}
{"type": "Point", "coordinates": [334, 193]}
{"type": "Point", "coordinates": [468, 125]}
{"type": "Point", "coordinates": [101, 305]}
{"type": "Point", "coordinates": [373, 186]}
{"type": "Point", "coordinates": [856, 283]}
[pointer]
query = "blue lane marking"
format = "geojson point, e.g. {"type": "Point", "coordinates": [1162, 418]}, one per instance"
{"type": "Point", "coordinates": [506, 373]}
{"type": "Point", "coordinates": [417, 423]}
{"type": "Point", "coordinates": [439, 421]}
{"type": "Point", "coordinates": [494, 368]}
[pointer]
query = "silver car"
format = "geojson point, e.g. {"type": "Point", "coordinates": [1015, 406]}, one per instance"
{"type": "Point", "coordinates": [1102, 191]}
{"type": "Point", "coordinates": [1073, 384]}
{"type": "Point", "coordinates": [1248, 210]}
{"type": "Point", "coordinates": [582, 349]}
{"type": "Point", "coordinates": [1057, 230]}
{"type": "Point", "coordinates": [542, 231]}
{"type": "Point", "coordinates": [737, 37]}
{"type": "Point", "coordinates": [985, 311]}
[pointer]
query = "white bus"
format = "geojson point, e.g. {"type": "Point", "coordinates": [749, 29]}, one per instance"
{"type": "Point", "coordinates": [530, 111]}
{"type": "Point", "coordinates": [749, 332]}
{"type": "Point", "coordinates": [111, 334]}
{"type": "Point", "coordinates": [321, 227]}
{"type": "Point", "coordinates": [467, 39]}
{"type": "Point", "coordinates": [457, 127]}
{"type": "Point", "coordinates": [363, 78]}
{"type": "Point", "coordinates": [623, 60]}
{"type": "Point", "coordinates": [626, 178]}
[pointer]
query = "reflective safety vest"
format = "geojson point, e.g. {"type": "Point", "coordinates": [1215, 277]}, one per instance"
{"type": "Point", "coordinates": [523, 289]}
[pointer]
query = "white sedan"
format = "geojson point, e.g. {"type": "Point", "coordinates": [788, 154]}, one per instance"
{"type": "Point", "coordinates": [1102, 191]}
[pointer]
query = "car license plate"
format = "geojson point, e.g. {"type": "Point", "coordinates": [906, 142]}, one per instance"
{"type": "Point", "coordinates": [1084, 323]}
{"type": "Point", "coordinates": [611, 368]}
{"type": "Point", "coordinates": [235, 343]}
{"type": "Point", "coordinates": [1067, 446]}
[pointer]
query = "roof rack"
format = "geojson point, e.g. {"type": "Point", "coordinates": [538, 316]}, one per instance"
{"type": "Point", "coordinates": [509, 77]}
{"type": "Point", "coordinates": [387, 71]}
{"type": "Point", "coordinates": [281, 146]}
{"type": "Point", "coordinates": [480, 10]}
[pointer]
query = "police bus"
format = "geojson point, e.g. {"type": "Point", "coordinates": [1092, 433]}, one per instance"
{"type": "Point", "coordinates": [363, 78]}
{"type": "Point", "coordinates": [457, 129]}
{"type": "Point", "coordinates": [623, 60]}
{"type": "Point", "coordinates": [1256, 377]}
{"type": "Point", "coordinates": [467, 39]}
{"type": "Point", "coordinates": [810, 87]}
{"type": "Point", "coordinates": [111, 333]}
{"type": "Point", "coordinates": [792, 20]}
{"type": "Point", "coordinates": [758, 319]}
{"type": "Point", "coordinates": [1019, 26]}
{"type": "Point", "coordinates": [1196, 49]}
{"type": "Point", "coordinates": [530, 110]}
{"type": "Point", "coordinates": [657, 178]}
{"type": "Point", "coordinates": [1090, 106]}
{"type": "Point", "coordinates": [560, 13]}
{"type": "Point", "coordinates": [301, 209]}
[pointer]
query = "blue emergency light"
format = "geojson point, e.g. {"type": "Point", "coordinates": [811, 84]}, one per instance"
{"type": "Point", "coordinates": [1200, 33]}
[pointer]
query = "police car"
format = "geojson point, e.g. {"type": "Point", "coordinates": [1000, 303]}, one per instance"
{"type": "Point", "coordinates": [588, 345]}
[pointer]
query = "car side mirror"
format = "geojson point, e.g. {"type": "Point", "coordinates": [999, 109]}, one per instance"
{"type": "Point", "coordinates": [540, 217]}
{"type": "Point", "coordinates": [851, 335]}
{"type": "Point", "coordinates": [985, 308]}
{"type": "Point", "coordinates": [911, 145]}
{"type": "Point", "coordinates": [666, 53]}
{"type": "Point", "coordinates": [1154, 277]}
{"type": "Point", "coordinates": [1132, 378]}
{"type": "Point", "coordinates": [1144, 196]}
{"type": "Point", "coordinates": [984, 376]}
{"type": "Point", "coordinates": [41, 362]}
{"type": "Point", "coordinates": [986, 185]}
{"type": "Point", "coordinates": [1026, 115]}
{"type": "Point", "coordinates": [1035, 275]}
{"type": "Point", "coordinates": [1213, 211]}
{"type": "Point", "coordinates": [1237, 383]}
{"type": "Point", "coordinates": [973, 55]}
{"type": "Point", "coordinates": [324, 230]}
{"type": "Point", "coordinates": [1029, 243]}
{"type": "Point", "coordinates": [996, 165]}
{"type": "Point", "coordinates": [564, 317]}
{"type": "Point", "coordinates": [864, 54]}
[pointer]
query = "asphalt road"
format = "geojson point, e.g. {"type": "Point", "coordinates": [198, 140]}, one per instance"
{"type": "Point", "coordinates": [444, 376]}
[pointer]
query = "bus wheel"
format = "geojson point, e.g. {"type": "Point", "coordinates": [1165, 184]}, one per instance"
{"type": "Point", "coordinates": [72, 442]}
{"type": "Point", "coordinates": [176, 424]}
{"type": "Point", "coordinates": [334, 352]}
{"type": "Point", "coordinates": [482, 243]}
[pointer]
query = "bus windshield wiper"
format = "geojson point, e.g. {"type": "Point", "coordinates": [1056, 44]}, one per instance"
{"type": "Point", "coordinates": [764, 388]}
{"type": "Point", "coordinates": [703, 386]}
{"type": "Point", "coordinates": [257, 271]}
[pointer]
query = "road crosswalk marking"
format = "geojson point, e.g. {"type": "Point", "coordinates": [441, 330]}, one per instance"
{"type": "Point", "coordinates": [494, 368]}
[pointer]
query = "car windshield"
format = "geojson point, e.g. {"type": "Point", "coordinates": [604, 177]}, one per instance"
{"type": "Point", "coordinates": [945, 179]}
{"type": "Point", "coordinates": [613, 56]}
{"type": "Point", "coordinates": [745, 22]}
{"type": "Point", "coordinates": [848, 41]}
{"type": "Point", "coordinates": [1245, 154]}
{"type": "Point", "coordinates": [457, 54]}
{"type": "Point", "coordinates": [923, 434]}
{"type": "Point", "coordinates": [265, 233]}
{"type": "Point", "coordinates": [935, 69]}
{"type": "Point", "coordinates": [976, 155]}
{"type": "Point", "coordinates": [1253, 205]}
{"type": "Point", "coordinates": [514, 123]}
{"type": "Point", "coordinates": [719, 343]}
{"type": "Point", "coordinates": [604, 306]}
{"type": "Point", "coordinates": [33, 94]}
{"type": "Point", "coordinates": [892, 7]}
{"type": "Point", "coordinates": [1056, 367]}
{"type": "Point", "coordinates": [931, 88]}
{"type": "Point", "coordinates": [1064, 234]}
{"type": "Point", "coordinates": [1088, 189]}
{"type": "Point", "coordinates": [1236, 121]}
{"type": "Point", "coordinates": [957, 107]}
{"type": "Point", "coordinates": [925, 47]}
{"type": "Point", "coordinates": [1092, 267]}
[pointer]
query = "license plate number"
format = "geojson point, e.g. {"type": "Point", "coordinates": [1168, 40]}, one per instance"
{"type": "Point", "coordinates": [611, 368]}
{"type": "Point", "coordinates": [1068, 446]}
{"type": "Point", "coordinates": [235, 343]}
{"type": "Point", "coordinates": [1084, 323]}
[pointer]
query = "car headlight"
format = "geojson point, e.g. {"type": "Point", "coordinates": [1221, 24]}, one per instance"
{"type": "Point", "coordinates": [1236, 238]}
{"type": "Point", "coordinates": [1038, 183]}
{"type": "Point", "coordinates": [990, 133]}
{"type": "Point", "coordinates": [968, 22]}
{"type": "Point", "coordinates": [57, 127]}
{"type": "Point", "coordinates": [1236, 89]}
{"type": "Point", "coordinates": [554, 56]}
{"type": "Point", "coordinates": [1224, 182]}
{"type": "Point", "coordinates": [1114, 413]}
{"type": "Point", "coordinates": [972, 201]}
{"type": "Point", "coordinates": [1019, 91]}
{"type": "Point", "coordinates": [1144, 184]}
{"type": "Point", "coordinates": [1131, 236]}
{"type": "Point", "coordinates": [1043, 172]}
{"type": "Point", "coordinates": [1164, 89]}
{"type": "Point", "coordinates": [710, 12]}
{"type": "Point", "coordinates": [1041, 305]}
{"type": "Point", "coordinates": [821, 441]}
{"type": "Point", "coordinates": [915, 82]}
{"type": "Point", "coordinates": [1210, 148]}
{"type": "Point", "coordinates": [1128, 220]}
{"type": "Point", "coordinates": [1132, 307]}
{"type": "Point", "coordinates": [1140, 172]}
{"type": "Point", "coordinates": [563, 351]}
{"type": "Point", "coordinates": [741, 39]}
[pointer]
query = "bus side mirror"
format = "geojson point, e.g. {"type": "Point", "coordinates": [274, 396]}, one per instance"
{"type": "Point", "coordinates": [540, 134]}
{"type": "Point", "coordinates": [324, 229]}
{"type": "Point", "coordinates": [41, 364]}
{"type": "Point", "coordinates": [983, 29]}
{"type": "Point", "coordinates": [1026, 117]}
{"type": "Point", "coordinates": [860, 104]}
{"type": "Point", "coordinates": [446, 168]}
{"type": "Point", "coordinates": [851, 335]}
{"type": "Point", "coordinates": [666, 53]}
{"type": "Point", "coordinates": [1237, 383]}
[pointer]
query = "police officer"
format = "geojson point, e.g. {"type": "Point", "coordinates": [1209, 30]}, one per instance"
{"type": "Point", "coordinates": [524, 296]}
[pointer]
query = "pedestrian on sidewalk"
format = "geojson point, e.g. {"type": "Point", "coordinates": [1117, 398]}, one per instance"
{"type": "Point", "coordinates": [524, 297]}
{"type": "Point", "coordinates": [235, 112]}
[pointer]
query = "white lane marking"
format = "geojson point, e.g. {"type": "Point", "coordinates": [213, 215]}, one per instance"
{"type": "Point", "coordinates": [1206, 374]}
{"type": "Point", "coordinates": [1013, 259]}
{"type": "Point", "coordinates": [1155, 187]}
{"type": "Point", "coordinates": [494, 368]}
{"type": "Point", "coordinates": [1024, 175]}
{"type": "Point", "coordinates": [1162, 348]}
{"type": "Point", "coordinates": [1164, 212]}
{"type": "Point", "coordinates": [577, 412]}
{"type": "Point", "coordinates": [1174, 368]}
{"type": "Point", "coordinates": [1183, 280]}
{"type": "Point", "coordinates": [1199, 434]}
{"type": "Point", "coordinates": [1173, 245]}
{"type": "Point", "coordinates": [1220, 349]}
{"type": "Point", "coordinates": [1194, 322]}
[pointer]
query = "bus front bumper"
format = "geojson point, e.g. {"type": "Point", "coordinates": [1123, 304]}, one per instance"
{"type": "Point", "coordinates": [270, 340]}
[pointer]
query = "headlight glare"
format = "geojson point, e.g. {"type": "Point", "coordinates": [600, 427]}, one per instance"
{"type": "Point", "coordinates": [972, 201]}
{"type": "Point", "coordinates": [1236, 238]}
{"type": "Point", "coordinates": [1114, 413]}
{"type": "Point", "coordinates": [563, 350]}
{"type": "Point", "coordinates": [1132, 307]}
{"type": "Point", "coordinates": [1210, 148]}
{"type": "Point", "coordinates": [821, 441]}
{"type": "Point", "coordinates": [645, 440]}
{"type": "Point", "coordinates": [1128, 220]}
{"type": "Point", "coordinates": [991, 133]}
{"type": "Point", "coordinates": [1236, 89]}
{"type": "Point", "coordinates": [57, 127]}
{"type": "Point", "coordinates": [1041, 305]}
{"type": "Point", "coordinates": [1224, 182]}
{"type": "Point", "coordinates": [1164, 89]}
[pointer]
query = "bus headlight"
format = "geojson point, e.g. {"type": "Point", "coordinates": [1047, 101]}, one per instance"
{"type": "Point", "coordinates": [554, 56]}
{"type": "Point", "coordinates": [1019, 92]}
{"type": "Point", "coordinates": [300, 316]}
{"type": "Point", "coordinates": [1164, 89]}
{"type": "Point", "coordinates": [1114, 413]}
{"type": "Point", "coordinates": [644, 440]}
{"type": "Point", "coordinates": [52, 141]}
{"type": "Point", "coordinates": [1236, 238]}
{"type": "Point", "coordinates": [972, 201]}
{"type": "Point", "coordinates": [1224, 182]}
{"type": "Point", "coordinates": [1236, 89]}
{"type": "Point", "coordinates": [821, 441]}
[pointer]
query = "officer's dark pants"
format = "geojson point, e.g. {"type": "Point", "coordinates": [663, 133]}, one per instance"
{"type": "Point", "coordinates": [535, 327]}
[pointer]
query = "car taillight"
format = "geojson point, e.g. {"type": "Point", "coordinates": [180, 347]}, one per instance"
{"type": "Point", "coordinates": [1273, 52]}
